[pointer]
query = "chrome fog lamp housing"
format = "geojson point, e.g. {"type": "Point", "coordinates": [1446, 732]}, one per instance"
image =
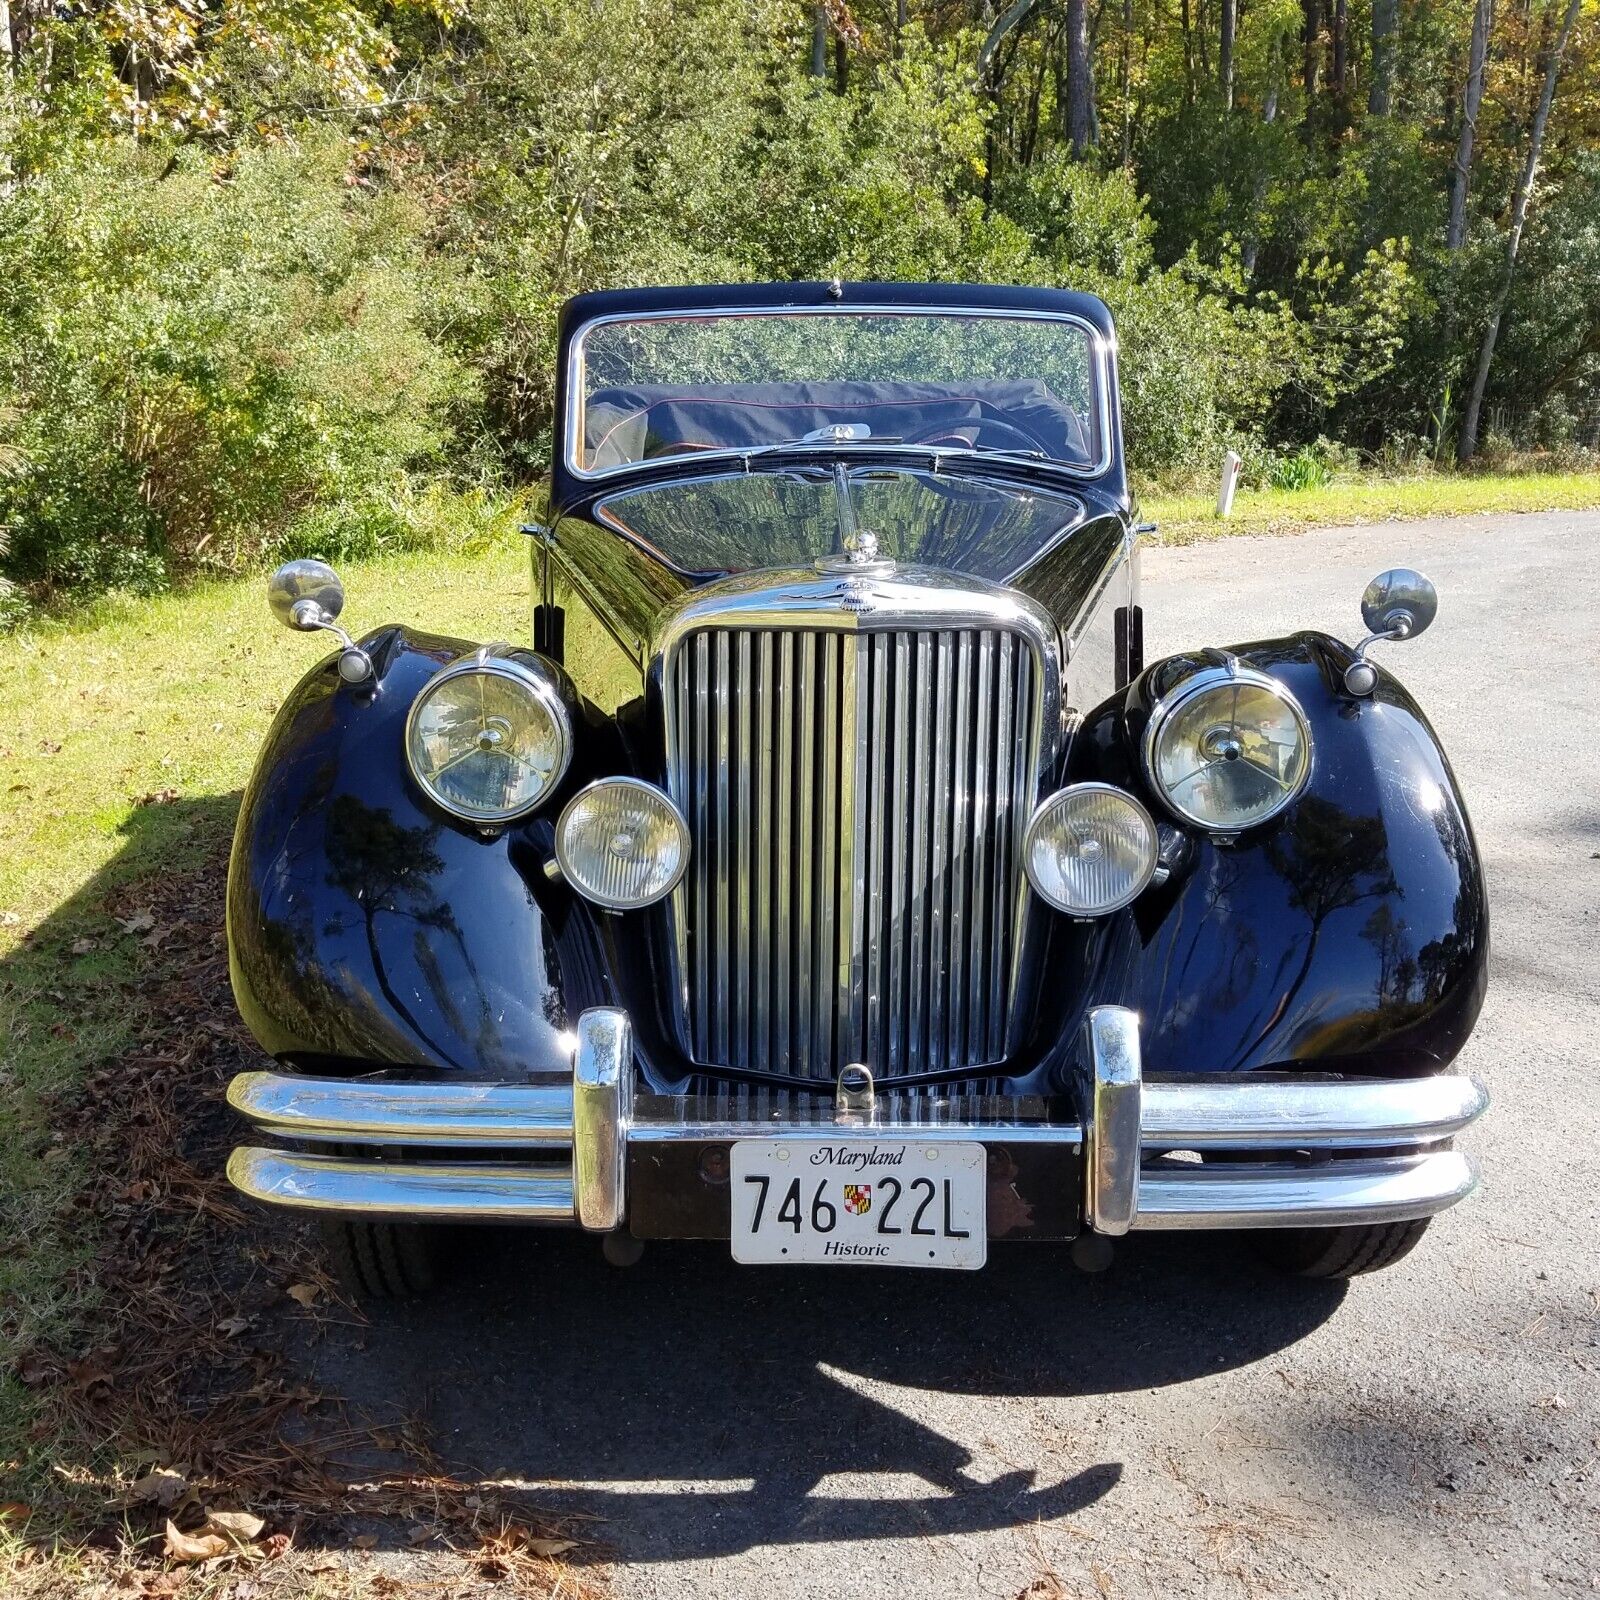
{"type": "Point", "coordinates": [489, 738]}
{"type": "Point", "coordinates": [1090, 849]}
{"type": "Point", "coordinates": [622, 843]}
{"type": "Point", "coordinates": [1228, 749]}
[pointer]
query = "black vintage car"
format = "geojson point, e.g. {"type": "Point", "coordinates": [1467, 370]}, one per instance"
{"type": "Point", "coordinates": [897, 904]}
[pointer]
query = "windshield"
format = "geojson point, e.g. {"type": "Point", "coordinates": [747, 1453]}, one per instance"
{"type": "Point", "coordinates": [658, 387]}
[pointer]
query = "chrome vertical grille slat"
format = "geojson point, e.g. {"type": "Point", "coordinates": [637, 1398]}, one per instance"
{"type": "Point", "coordinates": [855, 798]}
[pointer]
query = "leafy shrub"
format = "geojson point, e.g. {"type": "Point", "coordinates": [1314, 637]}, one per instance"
{"type": "Point", "coordinates": [1305, 469]}
{"type": "Point", "coordinates": [200, 355]}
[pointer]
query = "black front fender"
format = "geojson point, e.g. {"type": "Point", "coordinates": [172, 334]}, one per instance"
{"type": "Point", "coordinates": [364, 928]}
{"type": "Point", "coordinates": [1350, 933]}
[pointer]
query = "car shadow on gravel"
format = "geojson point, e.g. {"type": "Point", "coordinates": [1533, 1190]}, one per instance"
{"type": "Point", "coordinates": [700, 1409]}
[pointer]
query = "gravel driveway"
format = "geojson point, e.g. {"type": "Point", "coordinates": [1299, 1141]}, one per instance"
{"type": "Point", "coordinates": [1184, 1424]}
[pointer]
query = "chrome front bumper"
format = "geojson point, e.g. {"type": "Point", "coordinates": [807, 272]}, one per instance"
{"type": "Point", "coordinates": [1244, 1152]}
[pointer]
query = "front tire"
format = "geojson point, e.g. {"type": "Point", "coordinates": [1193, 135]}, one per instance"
{"type": "Point", "coordinates": [382, 1260]}
{"type": "Point", "coordinates": [1341, 1252]}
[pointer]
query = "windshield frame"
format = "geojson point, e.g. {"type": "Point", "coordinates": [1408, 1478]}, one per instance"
{"type": "Point", "coordinates": [1101, 371]}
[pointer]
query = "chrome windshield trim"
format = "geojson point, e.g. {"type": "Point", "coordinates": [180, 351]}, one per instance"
{"type": "Point", "coordinates": [1102, 354]}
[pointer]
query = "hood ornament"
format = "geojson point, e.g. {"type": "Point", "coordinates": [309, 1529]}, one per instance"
{"type": "Point", "coordinates": [859, 546]}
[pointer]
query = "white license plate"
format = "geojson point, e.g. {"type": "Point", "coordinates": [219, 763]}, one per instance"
{"type": "Point", "coordinates": [884, 1202]}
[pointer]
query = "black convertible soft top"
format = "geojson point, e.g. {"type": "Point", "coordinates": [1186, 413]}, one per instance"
{"type": "Point", "coordinates": [625, 425]}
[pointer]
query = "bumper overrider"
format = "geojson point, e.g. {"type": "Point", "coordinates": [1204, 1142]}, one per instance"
{"type": "Point", "coordinates": [1250, 1151]}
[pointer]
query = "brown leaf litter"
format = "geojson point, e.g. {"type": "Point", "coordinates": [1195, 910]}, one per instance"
{"type": "Point", "coordinates": [182, 1444]}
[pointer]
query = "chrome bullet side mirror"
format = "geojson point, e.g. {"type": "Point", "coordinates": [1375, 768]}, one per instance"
{"type": "Point", "coordinates": [305, 594]}
{"type": "Point", "coordinates": [308, 596]}
{"type": "Point", "coordinates": [1397, 604]}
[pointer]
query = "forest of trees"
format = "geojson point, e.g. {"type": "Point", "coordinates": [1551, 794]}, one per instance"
{"type": "Point", "coordinates": [281, 275]}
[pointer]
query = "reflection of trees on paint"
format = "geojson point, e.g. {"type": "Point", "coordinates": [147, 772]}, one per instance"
{"type": "Point", "coordinates": [1330, 860]}
{"type": "Point", "coordinates": [390, 870]}
{"type": "Point", "coordinates": [773, 519]}
{"type": "Point", "coordinates": [1419, 978]}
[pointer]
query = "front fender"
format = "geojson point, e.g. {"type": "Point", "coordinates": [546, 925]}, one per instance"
{"type": "Point", "coordinates": [1350, 933]}
{"type": "Point", "coordinates": [364, 928]}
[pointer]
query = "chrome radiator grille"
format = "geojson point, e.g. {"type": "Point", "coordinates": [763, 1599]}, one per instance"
{"type": "Point", "coordinates": [856, 801]}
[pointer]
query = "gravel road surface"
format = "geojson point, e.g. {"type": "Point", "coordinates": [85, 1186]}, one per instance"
{"type": "Point", "coordinates": [1184, 1424]}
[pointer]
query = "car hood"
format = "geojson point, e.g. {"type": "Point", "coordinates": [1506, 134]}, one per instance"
{"type": "Point", "coordinates": [636, 549]}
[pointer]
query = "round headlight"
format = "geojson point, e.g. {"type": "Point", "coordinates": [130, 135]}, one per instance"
{"type": "Point", "coordinates": [1090, 849]}
{"type": "Point", "coordinates": [489, 738]}
{"type": "Point", "coordinates": [622, 843]}
{"type": "Point", "coordinates": [1228, 749]}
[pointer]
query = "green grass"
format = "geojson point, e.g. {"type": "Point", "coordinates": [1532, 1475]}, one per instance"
{"type": "Point", "coordinates": [165, 698]}
{"type": "Point", "coordinates": [1184, 518]}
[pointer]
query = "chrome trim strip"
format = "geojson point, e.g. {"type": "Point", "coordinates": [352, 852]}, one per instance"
{"type": "Point", "coordinates": [1285, 1113]}
{"type": "Point", "coordinates": [467, 1192]}
{"type": "Point", "coordinates": [1329, 1195]}
{"type": "Point", "coordinates": [1113, 1197]}
{"type": "Point", "coordinates": [1103, 353]}
{"type": "Point", "coordinates": [856, 1131]}
{"type": "Point", "coordinates": [602, 1118]}
{"type": "Point", "coordinates": [448, 1115]}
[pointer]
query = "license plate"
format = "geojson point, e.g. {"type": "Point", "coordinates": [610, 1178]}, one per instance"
{"type": "Point", "coordinates": [886, 1203]}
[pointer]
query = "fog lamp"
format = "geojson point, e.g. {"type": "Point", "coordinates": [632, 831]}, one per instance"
{"type": "Point", "coordinates": [1090, 849]}
{"type": "Point", "coordinates": [622, 843]}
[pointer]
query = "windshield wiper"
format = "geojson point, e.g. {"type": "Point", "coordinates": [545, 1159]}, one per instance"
{"type": "Point", "coordinates": [833, 433]}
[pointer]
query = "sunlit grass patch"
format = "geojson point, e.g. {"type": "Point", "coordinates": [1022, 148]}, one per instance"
{"type": "Point", "coordinates": [1186, 518]}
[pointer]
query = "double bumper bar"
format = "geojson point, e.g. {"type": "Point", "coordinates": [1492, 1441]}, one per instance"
{"type": "Point", "coordinates": [1246, 1152]}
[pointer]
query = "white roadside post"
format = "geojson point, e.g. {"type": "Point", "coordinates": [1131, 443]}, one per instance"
{"type": "Point", "coordinates": [1231, 463]}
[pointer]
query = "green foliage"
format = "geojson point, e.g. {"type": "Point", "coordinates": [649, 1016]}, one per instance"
{"type": "Point", "coordinates": [266, 265]}
{"type": "Point", "coordinates": [1305, 469]}
{"type": "Point", "coordinates": [199, 354]}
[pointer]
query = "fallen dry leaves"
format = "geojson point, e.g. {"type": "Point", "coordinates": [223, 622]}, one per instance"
{"type": "Point", "coordinates": [225, 1454]}
{"type": "Point", "coordinates": [222, 1534]}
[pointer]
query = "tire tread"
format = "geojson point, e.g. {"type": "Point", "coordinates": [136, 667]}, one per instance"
{"type": "Point", "coordinates": [1346, 1252]}
{"type": "Point", "coordinates": [380, 1260]}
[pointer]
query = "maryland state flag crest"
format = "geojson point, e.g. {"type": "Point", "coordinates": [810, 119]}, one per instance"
{"type": "Point", "coordinates": [858, 1198]}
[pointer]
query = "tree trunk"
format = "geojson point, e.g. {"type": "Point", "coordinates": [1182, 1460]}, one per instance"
{"type": "Point", "coordinates": [1341, 28]}
{"type": "Point", "coordinates": [1311, 38]}
{"type": "Point", "coordinates": [1519, 216]}
{"type": "Point", "coordinates": [901, 20]}
{"type": "Point", "coordinates": [1385, 24]}
{"type": "Point", "coordinates": [841, 63]}
{"type": "Point", "coordinates": [819, 42]}
{"type": "Point", "coordinates": [1080, 78]}
{"type": "Point", "coordinates": [1188, 53]}
{"type": "Point", "coordinates": [1127, 85]}
{"type": "Point", "coordinates": [1230, 23]}
{"type": "Point", "coordinates": [1269, 115]}
{"type": "Point", "coordinates": [7, 53]}
{"type": "Point", "coordinates": [1471, 100]}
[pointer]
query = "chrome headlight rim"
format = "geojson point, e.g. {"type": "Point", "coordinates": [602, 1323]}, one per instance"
{"type": "Point", "coordinates": [1137, 886]}
{"type": "Point", "coordinates": [564, 859]}
{"type": "Point", "coordinates": [544, 687]}
{"type": "Point", "coordinates": [1198, 683]}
